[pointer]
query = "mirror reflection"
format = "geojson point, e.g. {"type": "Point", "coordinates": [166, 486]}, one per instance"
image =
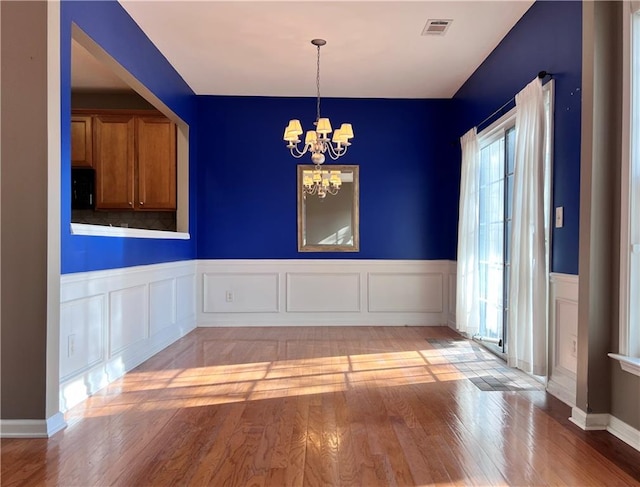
{"type": "Point", "coordinates": [328, 208]}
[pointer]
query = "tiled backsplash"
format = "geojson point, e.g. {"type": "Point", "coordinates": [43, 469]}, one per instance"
{"type": "Point", "coordinates": [147, 220]}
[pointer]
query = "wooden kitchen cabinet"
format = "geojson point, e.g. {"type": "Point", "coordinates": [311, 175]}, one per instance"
{"type": "Point", "coordinates": [135, 162]}
{"type": "Point", "coordinates": [156, 157]}
{"type": "Point", "coordinates": [81, 141]}
{"type": "Point", "coordinates": [114, 137]}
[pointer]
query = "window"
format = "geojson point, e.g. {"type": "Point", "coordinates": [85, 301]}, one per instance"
{"type": "Point", "coordinates": [495, 198]}
{"type": "Point", "coordinates": [629, 346]}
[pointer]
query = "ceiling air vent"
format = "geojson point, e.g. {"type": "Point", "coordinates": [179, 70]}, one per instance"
{"type": "Point", "coordinates": [436, 27]}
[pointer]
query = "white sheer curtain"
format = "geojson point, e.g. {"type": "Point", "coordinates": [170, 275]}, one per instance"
{"type": "Point", "coordinates": [467, 282]}
{"type": "Point", "coordinates": [527, 338]}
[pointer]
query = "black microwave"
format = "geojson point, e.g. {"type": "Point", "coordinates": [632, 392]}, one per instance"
{"type": "Point", "coordinates": [82, 188]}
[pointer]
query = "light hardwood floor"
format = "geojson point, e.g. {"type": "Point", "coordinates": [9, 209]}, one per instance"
{"type": "Point", "coordinates": [368, 406]}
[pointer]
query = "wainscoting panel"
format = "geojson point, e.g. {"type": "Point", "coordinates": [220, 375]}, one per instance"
{"type": "Point", "coordinates": [563, 336]}
{"type": "Point", "coordinates": [566, 336]}
{"type": "Point", "coordinates": [162, 305]}
{"type": "Point", "coordinates": [113, 320]}
{"type": "Point", "coordinates": [128, 321]}
{"type": "Point", "coordinates": [240, 293]}
{"type": "Point", "coordinates": [323, 292]}
{"type": "Point", "coordinates": [392, 292]}
{"type": "Point", "coordinates": [186, 298]}
{"type": "Point", "coordinates": [83, 345]}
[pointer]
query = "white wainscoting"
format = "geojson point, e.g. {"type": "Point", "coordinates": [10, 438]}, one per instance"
{"type": "Point", "coordinates": [401, 292]}
{"type": "Point", "coordinates": [251, 292]}
{"type": "Point", "coordinates": [323, 292]}
{"type": "Point", "coordinates": [111, 321]}
{"type": "Point", "coordinates": [563, 337]}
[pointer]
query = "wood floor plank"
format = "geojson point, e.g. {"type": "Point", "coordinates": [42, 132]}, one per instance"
{"type": "Point", "coordinates": [366, 462]}
{"type": "Point", "coordinates": [312, 406]}
{"type": "Point", "coordinates": [294, 475]}
{"type": "Point", "coordinates": [347, 464]}
{"type": "Point", "coordinates": [210, 461]}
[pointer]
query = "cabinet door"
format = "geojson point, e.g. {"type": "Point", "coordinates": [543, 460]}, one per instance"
{"type": "Point", "coordinates": [156, 140]}
{"type": "Point", "coordinates": [114, 152]}
{"type": "Point", "coordinates": [81, 141]}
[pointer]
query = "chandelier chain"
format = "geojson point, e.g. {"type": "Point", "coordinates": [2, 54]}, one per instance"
{"type": "Point", "coordinates": [318, 86]}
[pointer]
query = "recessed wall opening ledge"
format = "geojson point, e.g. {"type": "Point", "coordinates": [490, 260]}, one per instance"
{"type": "Point", "coordinates": [104, 231]}
{"type": "Point", "coordinates": [628, 364]}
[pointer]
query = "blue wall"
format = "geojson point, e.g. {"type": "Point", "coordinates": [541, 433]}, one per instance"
{"type": "Point", "coordinates": [247, 178]}
{"type": "Point", "coordinates": [243, 191]}
{"type": "Point", "coordinates": [108, 24]}
{"type": "Point", "coordinates": [548, 37]}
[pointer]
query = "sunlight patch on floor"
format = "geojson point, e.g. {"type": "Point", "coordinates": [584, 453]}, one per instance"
{"type": "Point", "coordinates": [222, 384]}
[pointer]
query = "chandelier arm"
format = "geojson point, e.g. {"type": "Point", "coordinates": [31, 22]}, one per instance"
{"type": "Point", "coordinates": [333, 156]}
{"type": "Point", "coordinates": [331, 151]}
{"type": "Point", "coordinates": [297, 153]}
{"type": "Point", "coordinates": [335, 153]}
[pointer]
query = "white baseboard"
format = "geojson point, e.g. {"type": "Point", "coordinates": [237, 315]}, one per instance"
{"type": "Point", "coordinates": [563, 389]}
{"type": "Point", "coordinates": [606, 422]}
{"type": "Point", "coordinates": [589, 421]}
{"type": "Point", "coordinates": [324, 293]}
{"type": "Point", "coordinates": [621, 430]}
{"type": "Point", "coordinates": [32, 428]}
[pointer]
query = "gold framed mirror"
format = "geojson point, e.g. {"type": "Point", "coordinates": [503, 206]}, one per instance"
{"type": "Point", "coordinates": [328, 208]}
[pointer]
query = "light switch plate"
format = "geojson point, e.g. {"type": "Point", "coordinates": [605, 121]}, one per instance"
{"type": "Point", "coordinates": [559, 216]}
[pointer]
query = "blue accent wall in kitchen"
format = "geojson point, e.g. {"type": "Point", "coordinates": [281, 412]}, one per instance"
{"type": "Point", "coordinates": [247, 178]}
{"type": "Point", "coordinates": [548, 37]}
{"type": "Point", "coordinates": [110, 26]}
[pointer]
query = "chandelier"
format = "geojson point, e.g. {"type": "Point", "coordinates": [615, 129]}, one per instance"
{"type": "Point", "coordinates": [317, 141]}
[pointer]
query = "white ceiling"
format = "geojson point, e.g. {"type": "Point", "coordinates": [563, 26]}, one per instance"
{"type": "Point", "coordinates": [89, 74]}
{"type": "Point", "coordinates": [374, 49]}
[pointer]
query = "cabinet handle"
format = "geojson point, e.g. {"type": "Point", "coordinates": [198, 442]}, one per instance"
{"type": "Point", "coordinates": [141, 203]}
{"type": "Point", "coordinates": [130, 203]}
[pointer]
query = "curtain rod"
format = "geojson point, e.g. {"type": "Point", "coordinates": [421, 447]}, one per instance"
{"type": "Point", "coordinates": [541, 75]}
